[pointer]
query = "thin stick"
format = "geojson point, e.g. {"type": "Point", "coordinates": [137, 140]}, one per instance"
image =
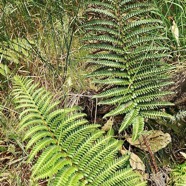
{"type": "Point", "coordinates": [96, 108]}
{"type": "Point", "coordinates": [153, 161]}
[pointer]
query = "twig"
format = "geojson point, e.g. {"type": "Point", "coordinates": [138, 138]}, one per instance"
{"type": "Point", "coordinates": [95, 115]}
{"type": "Point", "coordinates": [153, 161]}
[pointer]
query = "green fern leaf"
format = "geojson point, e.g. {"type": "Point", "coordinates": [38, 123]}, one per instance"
{"type": "Point", "coordinates": [101, 22]}
{"type": "Point", "coordinates": [108, 63]}
{"type": "Point", "coordinates": [128, 119]}
{"type": "Point", "coordinates": [155, 114]}
{"type": "Point", "coordinates": [38, 136]}
{"type": "Point", "coordinates": [128, 58]}
{"type": "Point", "coordinates": [101, 11]}
{"type": "Point", "coordinates": [110, 81]}
{"type": "Point", "coordinates": [46, 155]}
{"type": "Point", "coordinates": [116, 100]}
{"type": "Point", "coordinates": [65, 149]}
{"type": "Point", "coordinates": [124, 108]}
{"type": "Point", "coordinates": [33, 130]}
{"type": "Point", "coordinates": [40, 146]}
{"type": "Point", "coordinates": [138, 126]}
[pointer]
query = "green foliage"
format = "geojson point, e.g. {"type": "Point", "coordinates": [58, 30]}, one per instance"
{"type": "Point", "coordinates": [176, 123]}
{"type": "Point", "coordinates": [179, 175]}
{"type": "Point", "coordinates": [28, 26]}
{"type": "Point", "coordinates": [127, 48]}
{"type": "Point", "coordinates": [173, 11]}
{"type": "Point", "coordinates": [5, 74]}
{"type": "Point", "coordinates": [71, 151]}
{"type": "Point", "coordinates": [16, 50]}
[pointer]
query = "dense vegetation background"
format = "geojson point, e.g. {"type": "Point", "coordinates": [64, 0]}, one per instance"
{"type": "Point", "coordinates": [45, 40]}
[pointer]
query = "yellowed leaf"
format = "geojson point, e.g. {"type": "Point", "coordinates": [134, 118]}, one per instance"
{"type": "Point", "coordinates": [156, 139]}
{"type": "Point", "coordinates": [123, 151]}
{"type": "Point", "coordinates": [108, 125]}
{"type": "Point", "coordinates": [136, 163]}
{"type": "Point", "coordinates": [183, 154]}
{"type": "Point", "coordinates": [175, 32]}
{"type": "Point", "coordinates": [69, 81]}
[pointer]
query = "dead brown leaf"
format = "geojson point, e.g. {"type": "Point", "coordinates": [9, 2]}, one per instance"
{"type": "Point", "coordinates": [136, 163]}
{"type": "Point", "coordinates": [156, 139]}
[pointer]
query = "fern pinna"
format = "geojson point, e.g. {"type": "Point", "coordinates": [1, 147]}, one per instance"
{"type": "Point", "coordinates": [127, 48]}
{"type": "Point", "coordinates": [71, 151]}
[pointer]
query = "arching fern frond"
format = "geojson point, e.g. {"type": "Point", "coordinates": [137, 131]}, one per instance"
{"type": "Point", "coordinates": [71, 151]}
{"type": "Point", "coordinates": [127, 46]}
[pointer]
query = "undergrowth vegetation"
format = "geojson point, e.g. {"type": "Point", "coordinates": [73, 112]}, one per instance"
{"type": "Point", "coordinates": [75, 152]}
{"type": "Point", "coordinates": [92, 92]}
{"type": "Point", "coordinates": [128, 54]}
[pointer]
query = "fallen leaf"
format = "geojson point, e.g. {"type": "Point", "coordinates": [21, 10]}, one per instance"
{"type": "Point", "coordinates": [136, 163]}
{"type": "Point", "coordinates": [183, 154]}
{"type": "Point", "coordinates": [108, 125]}
{"type": "Point", "coordinates": [175, 32]}
{"type": "Point", "coordinates": [123, 150]}
{"type": "Point", "coordinates": [160, 178]}
{"type": "Point", "coordinates": [156, 139]}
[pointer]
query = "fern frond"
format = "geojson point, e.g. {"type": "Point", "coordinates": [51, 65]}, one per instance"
{"type": "Point", "coordinates": [116, 100]}
{"type": "Point", "coordinates": [133, 5]}
{"type": "Point", "coordinates": [104, 38]}
{"type": "Point", "coordinates": [112, 167]}
{"type": "Point", "coordinates": [150, 97]}
{"type": "Point", "coordinates": [141, 31]}
{"type": "Point", "coordinates": [142, 22]}
{"type": "Point", "coordinates": [103, 73]}
{"type": "Point", "coordinates": [45, 157]}
{"type": "Point", "coordinates": [129, 119]}
{"type": "Point", "coordinates": [155, 114]}
{"type": "Point", "coordinates": [40, 146]}
{"type": "Point", "coordinates": [143, 40]}
{"type": "Point", "coordinates": [33, 130]}
{"type": "Point", "coordinates": [103, 47]}
{"type": "Point", "coordinates": [37, 137]}
{"type": "Point", "coordinates": [71, 151]}
{"type": "Point", "coordinates": [108, 63]}
{"type": "Point", "coordinates": [137, 13]}
{"type": "Point", "coordinates": [102, 11]}
{"type": "Point", "coordinates": [121, 109]}
{"type": "Point", "coordinates": [109, 81]}
{"type": "Point", "coordinates": [101, 22]}
{"type": "Point", "coordinates": [152, 105]}
{"type": "Point", "coordinates": [134, 46]}
{"type": "Point", "coordinates": [113, 57]}
{"type": "Point", "coordinates": [138, 127]}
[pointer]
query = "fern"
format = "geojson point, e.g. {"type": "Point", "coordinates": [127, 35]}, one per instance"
{"type": "Point", "coordinates": [179, 175]}
{"type": "Point", "coordinates": [126, 45]}
{"type": "Point", "coordinates": [71, 151]}
{"type": "Point", "coordinates": [16, 50]}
